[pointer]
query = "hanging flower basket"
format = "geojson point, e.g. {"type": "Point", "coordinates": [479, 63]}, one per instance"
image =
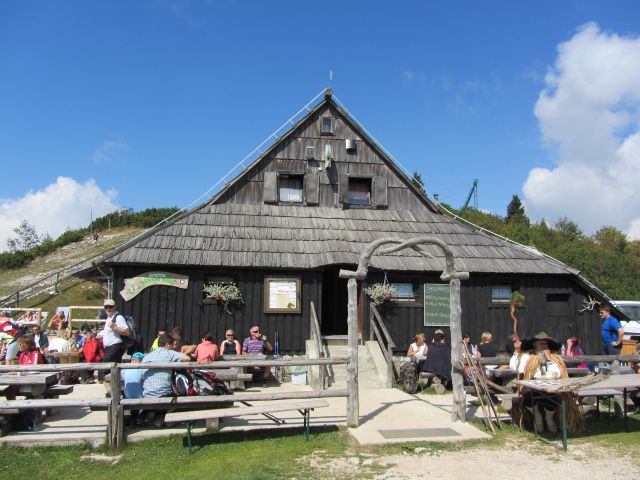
{"type": "Point", "coordinates": [224, 293]}
{"type": "Point", "coordinates": [380, 293]}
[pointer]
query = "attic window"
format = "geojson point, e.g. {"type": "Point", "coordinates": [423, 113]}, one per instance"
{"type": "Point", "coordinates": [359, 191]}
{"type": "Point", "coordinates": [327, 126]}
{"type": "Point", "coordinates": [290, 188]}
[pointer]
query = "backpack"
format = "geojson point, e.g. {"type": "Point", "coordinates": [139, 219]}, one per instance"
{"type": "Point", "coordinates": [133, 342]}
{"type": "Point", "coordinates": [409, 377]}
{"type": "Point", "coordinates": [197, 382]}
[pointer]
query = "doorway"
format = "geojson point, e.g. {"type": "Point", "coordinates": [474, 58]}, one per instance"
{"type": "Point", "coordinates": [334, 303]}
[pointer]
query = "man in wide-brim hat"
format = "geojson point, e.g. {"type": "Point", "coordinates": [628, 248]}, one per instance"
{"type": "Point", "coordinates": [535, 359]}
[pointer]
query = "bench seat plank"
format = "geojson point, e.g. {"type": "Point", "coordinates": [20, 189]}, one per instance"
{"type": "Point", "coordinates": [191, 416]}
{"type": "Point", "coordinates": [58, 390]}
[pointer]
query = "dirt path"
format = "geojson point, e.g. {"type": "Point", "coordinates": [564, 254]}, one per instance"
{"type": "Point", "coordinates": [515, 459]}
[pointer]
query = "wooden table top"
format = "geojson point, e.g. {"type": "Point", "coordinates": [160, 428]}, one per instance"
{"type": "Point", "coordinates": [44, 378]}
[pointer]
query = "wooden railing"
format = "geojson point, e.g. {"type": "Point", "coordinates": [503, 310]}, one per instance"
{"type": "Point", "coordinates": [316, 337]}
{"type": "Point", "coordinates": [380, 333]}
{"type": "Point", "coordinates": [116, 405]}
{"type": "Point", "coordinates": [504, 360]}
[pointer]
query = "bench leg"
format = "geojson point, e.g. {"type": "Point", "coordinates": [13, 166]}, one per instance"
{"type": "Point", "coordinates": [306, 416]}
{"type": "Point", "coordinates": [189, 425]}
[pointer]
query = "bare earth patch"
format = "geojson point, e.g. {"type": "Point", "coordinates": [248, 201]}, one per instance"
{"type": "Point", "coordinates": [516, 458]}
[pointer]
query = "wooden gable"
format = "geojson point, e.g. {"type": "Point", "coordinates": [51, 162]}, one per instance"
{"type": "Point", "coordinates": [326, 187]}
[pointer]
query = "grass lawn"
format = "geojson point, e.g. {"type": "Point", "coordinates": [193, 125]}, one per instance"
{"type": "Point", "coordinates": [283, 454]}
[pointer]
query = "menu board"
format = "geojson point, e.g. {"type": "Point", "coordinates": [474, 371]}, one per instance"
{"type": "Point", "coordinates": [436, 304]}
{"type": "Point", "coordinates": [282, 295]}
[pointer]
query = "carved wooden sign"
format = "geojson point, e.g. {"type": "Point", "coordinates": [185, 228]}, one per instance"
{"type": "Point", "coordinates": [133, 286]}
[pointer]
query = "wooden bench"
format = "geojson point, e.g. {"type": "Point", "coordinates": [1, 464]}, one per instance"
{"type": "Point", "coordinates": [304, 407]}
{"type": "Point", "coordinates": [54, 392]}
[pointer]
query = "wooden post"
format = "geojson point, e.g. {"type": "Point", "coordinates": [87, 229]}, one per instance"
{"type": "Point", "coordinates": [353, 403]}
{"type": "Point", "coordinates": [114, 409]}
{"type": "Point", "coordinates": [458, 408]}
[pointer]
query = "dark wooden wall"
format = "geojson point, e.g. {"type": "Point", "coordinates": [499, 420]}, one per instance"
{"type": "Point", "coordinates": [552, 304]}
{"type": "Point", "coordinates": [290, 157]}
{"type": "Point", "coordinates": [160, 307]}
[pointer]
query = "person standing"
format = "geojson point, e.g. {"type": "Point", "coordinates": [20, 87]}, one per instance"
{"type": "Point", "coordinates": [611, 332]}
{"type": "Point", "coordinates": [115, 328]}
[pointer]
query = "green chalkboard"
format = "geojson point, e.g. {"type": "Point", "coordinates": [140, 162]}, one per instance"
{"type": "Point", "coordinates": [436, 304]}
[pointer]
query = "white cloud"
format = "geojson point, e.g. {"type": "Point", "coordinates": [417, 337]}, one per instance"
{"type": "Point", "coordinates": [408, 75]}
{"type": "Point", "coordinates": [109, 151]}
{"type": "Point", "coordinates": [60, 205]}
{"type": "Point", "coordinates": [589, 114]}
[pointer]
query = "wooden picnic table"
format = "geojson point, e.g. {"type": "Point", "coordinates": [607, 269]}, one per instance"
{"type": "Point", "coordinates": [29, 384]}
{"type": "Point", "coordinates": [67, 357]}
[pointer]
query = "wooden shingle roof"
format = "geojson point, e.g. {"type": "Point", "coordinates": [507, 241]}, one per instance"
{"type": "Point", "coordinates": [303, 237]}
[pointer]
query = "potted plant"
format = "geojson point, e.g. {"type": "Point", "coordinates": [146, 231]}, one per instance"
{"type": "Point", "coordinates": [380, 293]}
{"type": "Point", "coordinates": [223, 293]}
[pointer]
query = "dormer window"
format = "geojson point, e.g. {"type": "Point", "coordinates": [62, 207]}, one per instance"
{"type": "Point", "coordinates": [359, 191]}
{"type": "Point", "coordinates": [327, 126]}
{"type": "Point", "coordinates": [290, 188]}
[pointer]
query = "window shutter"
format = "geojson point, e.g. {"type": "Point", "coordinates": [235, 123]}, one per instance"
{"type": "Point", "coordinates": [270, 187]}
{"type": "Point", "coordinates": [344, 188]}
{"type": "Point", "coordinates": [311, 187]}
{"type": "Point", "coordinates": [380, 196]}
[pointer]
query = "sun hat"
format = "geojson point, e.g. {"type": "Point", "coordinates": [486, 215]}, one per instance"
{"type": "Point", "coordinates": [138, 355]}
{"type": "Point", "coordinates": [528, 344]}
{"type": "Point", "coordinates": [109, 302]}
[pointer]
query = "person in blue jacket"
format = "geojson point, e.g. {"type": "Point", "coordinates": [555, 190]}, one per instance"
{"type": "Point", "coordinates": [611, 332]}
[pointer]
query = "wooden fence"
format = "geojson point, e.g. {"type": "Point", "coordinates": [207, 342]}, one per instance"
{"type": "Point", "coordinates": [116, 405]}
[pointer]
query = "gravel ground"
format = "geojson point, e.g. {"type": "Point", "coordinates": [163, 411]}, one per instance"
{"type": "Point", "coordinates": [517, 458]}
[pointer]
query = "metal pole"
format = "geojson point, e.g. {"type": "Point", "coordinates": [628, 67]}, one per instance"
{"type": "Point", "coordinates": [564, 424]}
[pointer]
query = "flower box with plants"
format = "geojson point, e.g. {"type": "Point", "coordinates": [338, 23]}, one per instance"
{"type": "Point", "coordinates": [223, 293]}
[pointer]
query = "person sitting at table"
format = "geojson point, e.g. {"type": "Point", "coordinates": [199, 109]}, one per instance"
{"type": "Point", "coordinates": [575, 350]}
{"type": "Point", "coordinates": [471, 348]}
{"type": "Point", "coordinates": [206, 351]}
{"type": "Point", "coordinates": [157, 382]}
{"type": "Point", "coordinates": [58, 322]}
{"type": "Point", "coordinates": [132, 381]}
{"type": "Point", "coordinates": [537, 359]}
{"type": "Point", "coordinates": [60, 344]}
{"type": "Point", "coordinates": [41, 339]}
{"type": "Point", "coordinates": [230, 346]}
{"type": "Point", "coordinates": [161, 333]}
{"type": "Point", "coordinates": [418, 350]}
{"type": "Point", "coordinates": [438, 360]}
{"type": "Point", "coordinates": [76, 339]}
{"type": "Point", "coordinates": [13, 348]}
{"type": "Point", "coordinates": [30, 354]}
{"type": "Point", "coordinates": [487, 347]}
{"type": "Point", "coordinates": [257, 344]}
{"type": "Point", "coordinates": [178, 344]}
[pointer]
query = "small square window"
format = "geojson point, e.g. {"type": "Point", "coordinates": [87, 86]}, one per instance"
{"type": "Point", "coordinates": [290, 188]}
{"type": "Point", "coordinates": [327, 126]}
{"type": "Point", "coordinates": [501, 294]}
{"type": "Point", "coordinates": [359, 191]}
{"type": "Point", "coordinates": [310, 152]}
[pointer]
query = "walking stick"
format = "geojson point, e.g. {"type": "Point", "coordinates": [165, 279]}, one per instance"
{"type": "Point", "coordinates": [276, 353]}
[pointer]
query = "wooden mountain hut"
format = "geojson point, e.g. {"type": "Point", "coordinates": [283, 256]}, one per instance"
{"type": "Point", "coordinates": [304, 209]}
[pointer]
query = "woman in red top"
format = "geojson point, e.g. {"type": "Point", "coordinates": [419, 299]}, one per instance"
{"type": "Point", "coordinates": [29, 353]}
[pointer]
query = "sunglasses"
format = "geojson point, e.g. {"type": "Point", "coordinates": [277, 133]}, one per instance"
{"type": "Point", "coordinates": [230, 334]}
{"type": "Point", "coordinates": [255, 331]}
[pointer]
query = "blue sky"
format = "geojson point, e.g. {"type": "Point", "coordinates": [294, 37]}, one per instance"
{"type": "Point", "coordinates": [157, 99]}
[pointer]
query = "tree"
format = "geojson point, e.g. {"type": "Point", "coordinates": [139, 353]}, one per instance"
{"type": "Point", "coordinates": [612, 239]}
{"type": "Point", "coordinates": [515, 211]}
{"type": "Point", "coordinates": [569, 230]}
{"type": "Point", "coordinates": [417, 182]}
{"type": "Point", "coordinates": [27, 238]}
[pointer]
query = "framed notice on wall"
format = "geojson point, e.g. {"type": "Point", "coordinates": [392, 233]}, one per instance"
{"type": "Point", "coordinates": [282, 295]}
{"type": "Point", "coordinates": [436, 305]}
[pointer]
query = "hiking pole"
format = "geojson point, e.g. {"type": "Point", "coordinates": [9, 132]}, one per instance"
{"type": "Point", "coordinates": [485, 411]}
{"type": "Point", "coordinates": [276, 353]}
{"type": "Point", "coordinates": [485, 388]}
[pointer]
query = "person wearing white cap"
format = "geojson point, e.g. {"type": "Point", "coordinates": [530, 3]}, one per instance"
{"type": "Point", "coordinates": [115, 328]}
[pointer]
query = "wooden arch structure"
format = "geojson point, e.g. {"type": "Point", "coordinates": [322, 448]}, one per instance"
{"type": "Point", "coordinates": [458, 410]}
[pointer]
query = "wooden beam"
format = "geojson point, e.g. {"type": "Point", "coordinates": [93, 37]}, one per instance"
{"type": "Point", "coordinates": [237, 363]}
{"type": "Point", "coordinates": [241, 411]}
{"type": "Point", "coordinates": [459, 405]}
{"type": "Point", "coordinates": [56, 367]}
{"type": "Point", "coordinates": [133, 403]}
{"type": "Point", "coordinates": [56, 403]}
{"type": "Point", "coordinates": [353, 402]}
